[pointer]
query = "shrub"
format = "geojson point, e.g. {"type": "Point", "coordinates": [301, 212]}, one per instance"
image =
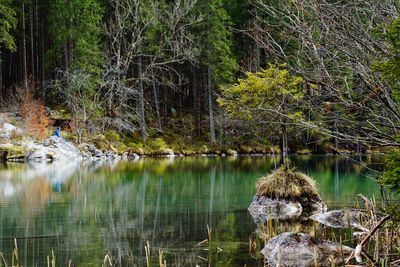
{"type": "Point", "coordinates": [35, 116]}
{"type": "Point", "coordinates": [112, 135]}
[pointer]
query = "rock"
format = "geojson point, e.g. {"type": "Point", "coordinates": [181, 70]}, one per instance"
{"type": "Point", "coordinates": [231, 152]}
{"type": "Point", "coordinates": [168, 152]}
{"type": "Point", "coordinates": [52, 149]}
{"type": "Point", "coordinates": [3, 155]}
{"type": "Point", "coordinates": [263, 209]}
{"type": "Point", "coordinates": [14, 152]}
{"type": "Point", "coordinates": [38, 156]}
{"type": "Point", "coordinates": [133, 156]}
{"type": "Point", "coordinates": [110, 155]}
{"type": "Point", "coordinates": [299, 249]}
{"type": "Point", "coordinates": [8, 131]}
{"type": "Point", "coordinates": [341, 218]}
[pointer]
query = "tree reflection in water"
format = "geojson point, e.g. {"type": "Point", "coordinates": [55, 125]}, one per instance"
{"type": "Point", "coordinates": [86, 211]}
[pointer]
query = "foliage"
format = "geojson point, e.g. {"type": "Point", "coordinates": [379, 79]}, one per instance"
{"type": "Point", "coordinates": [217, 41]}
{"type": "Point", "coordinates": [272, 89]}
{"type": "Point", "coordinates": [35, 116]}
{"type": "Point", "coordinates": [77, 91]}
{"type": "Point", "coordinates": [8, 23]}
{"type": "Point", "coordinates": [391, 177]}
{"type": "Point", "coordinates": [390, 68]}
{"type": "Point", "coordinates": [77, 24]}
{"type": "Point", "coordinates": [112, 135]}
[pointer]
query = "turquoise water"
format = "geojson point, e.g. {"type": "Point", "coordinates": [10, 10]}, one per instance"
{"type": "Point", "coordinates": [85, 211]}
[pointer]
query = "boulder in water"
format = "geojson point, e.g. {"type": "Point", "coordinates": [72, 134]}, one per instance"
{"type": "Point", "coordinates": [286, 193]}
{"type": "Point", "coordinates": [302, 250]}
{"type": "Point", "coordinates": [348, 218]}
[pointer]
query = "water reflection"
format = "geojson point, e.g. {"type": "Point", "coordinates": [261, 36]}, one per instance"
{"type": "Point", "coordinates": [85, 211]}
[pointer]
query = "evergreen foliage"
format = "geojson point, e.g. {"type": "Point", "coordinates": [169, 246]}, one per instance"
{"type": "Point", "coordinates": [76, 30]}
{"type": "Point", "coordinates": [272, 89]}
{"type": "Point", "coordinates": [8, 22]}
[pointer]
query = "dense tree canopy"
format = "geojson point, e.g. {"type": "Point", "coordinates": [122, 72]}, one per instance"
{"type": "Point", "coordinates": [8, 23]}
{"type": "Point", "coordinates": [156, 68]}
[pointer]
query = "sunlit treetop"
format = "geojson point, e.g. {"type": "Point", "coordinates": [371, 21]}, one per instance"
{"type": "Point", "coordinates": [273, 88]}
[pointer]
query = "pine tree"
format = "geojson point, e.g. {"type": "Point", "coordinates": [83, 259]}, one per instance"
{"type": "Point", "coordinates": [8, 22]}
{"type": "Point", "coordinates": [218, 60]}
{"type": "Point", "coordinates": [76, 30]}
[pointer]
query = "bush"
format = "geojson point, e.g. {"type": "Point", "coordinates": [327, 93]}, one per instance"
{"type": "Point", "coordinates": [35, 116]}
{"type": "Point", "coordinates": [112, 135]}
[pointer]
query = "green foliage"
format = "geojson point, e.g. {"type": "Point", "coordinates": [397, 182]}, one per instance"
{"type": "Point", "coordinates": [390, 68]}
{"type": "Point", "coordinates": [8, 22]}
{"type": "Point", "coordinates": [269, 89]}
{"type": "Point", "coordinates": [217, 44]}
{"type": "Point", "coordinates": [112, 135]}
{"type": "Point", "coordinates": [158, 144]}
{"type": "Point", "coordinates": [76, 26]}
{"type": "Point", "coordinates": [391, 177]}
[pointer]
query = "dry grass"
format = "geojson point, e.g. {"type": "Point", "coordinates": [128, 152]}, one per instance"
{"type": "Point", "coordinates": [286, 183]}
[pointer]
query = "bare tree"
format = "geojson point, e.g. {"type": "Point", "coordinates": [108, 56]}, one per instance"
{"type": "Point", "coordinates": [332, 46]}
{"type": "Point", "coordinates": [139, 54]}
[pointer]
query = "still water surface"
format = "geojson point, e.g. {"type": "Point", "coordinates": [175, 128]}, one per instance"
{"type": "Point", "coordinates": [84, 211]}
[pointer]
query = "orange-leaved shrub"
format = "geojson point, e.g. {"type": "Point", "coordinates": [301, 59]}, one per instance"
{"type": "Point", "coordinates": [36, 119]}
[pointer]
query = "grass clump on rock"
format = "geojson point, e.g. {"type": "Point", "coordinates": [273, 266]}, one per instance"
{"type": "Point", "coordinates": [286, 183]}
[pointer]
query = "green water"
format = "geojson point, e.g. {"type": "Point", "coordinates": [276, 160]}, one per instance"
{"type": "Point", "coordinates": [82, 212]}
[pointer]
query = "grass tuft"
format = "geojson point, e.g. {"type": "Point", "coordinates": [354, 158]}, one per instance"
{"type": "Point", "coordinates": [286, 183]}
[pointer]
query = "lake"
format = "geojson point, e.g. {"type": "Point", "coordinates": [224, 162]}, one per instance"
{"type": "Point", "coordinates": [85, 211]}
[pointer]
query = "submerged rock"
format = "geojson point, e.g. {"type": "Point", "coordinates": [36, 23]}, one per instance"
{"type": "Point", "coordinates": [348, 218]}
{"type": "Point", "coordinates": [263, 209]}
{"type": "Point", "coordinates": [302, 250]}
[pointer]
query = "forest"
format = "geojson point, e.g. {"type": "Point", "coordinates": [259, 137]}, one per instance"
{"type": "Point", "coordinates": [250, 75]}
{"type": "Point", "coordinates": [100, 100]}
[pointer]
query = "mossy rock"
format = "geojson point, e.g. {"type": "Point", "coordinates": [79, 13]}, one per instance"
{"type": "Point", "coordinates": [245, 149]}
{"type": "Point", "coordinates": [304, 151]}
{"type": "Point", "coordinates": [231, 152]}
{"type": "Point", "coordinates": [100, 141]}
{"type": "Point", "coordinates": [274, 150]}
{"type": "Point", "coordinates": [13, 152]}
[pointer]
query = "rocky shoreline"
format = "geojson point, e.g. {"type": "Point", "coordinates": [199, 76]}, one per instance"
{"type": "Point", "coordinates": [56, 149]}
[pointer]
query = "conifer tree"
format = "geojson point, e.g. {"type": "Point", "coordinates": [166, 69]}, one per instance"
{"type": "Point", "coordinates": [218, 60]}
{"type": "Point", "coordinates": [8, 23]}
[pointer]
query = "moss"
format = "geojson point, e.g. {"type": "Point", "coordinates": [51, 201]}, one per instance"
{"type": "Point", "coordinates": [285, 183]}
{"type": "Point", "coordinates": [231, 152]}
{"type": "Point", "coordinates": [304, 151]}
{"type": "Point", "coordinates": [100, 142]}
{"type": "Point", "coordinates": [245, 149]}
{"type": "Point", "coordinates": [14, 152]}
{"type": "Point", "coordinates": [112, 135]}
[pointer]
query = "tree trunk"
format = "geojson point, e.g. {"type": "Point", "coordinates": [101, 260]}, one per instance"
{"type": "Point", "coordinates": [142, 120]}
{"type": "Point", "coordinates": [336, 129]}
{"type": "Point", "coordinates": [24, 63]}
{"type": "Point", "coordinates": [210, 105]}
{"type": "Point", "coordinates": [196, 109]}
{"type": "Point", "coordinates": [285, 155]}
{"type": "Point", "coordinates": [32, 61]}
{"type": "Point", "coordinates": [1, 75]}
{"type": "Point", "coordinates": [157, 105]}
